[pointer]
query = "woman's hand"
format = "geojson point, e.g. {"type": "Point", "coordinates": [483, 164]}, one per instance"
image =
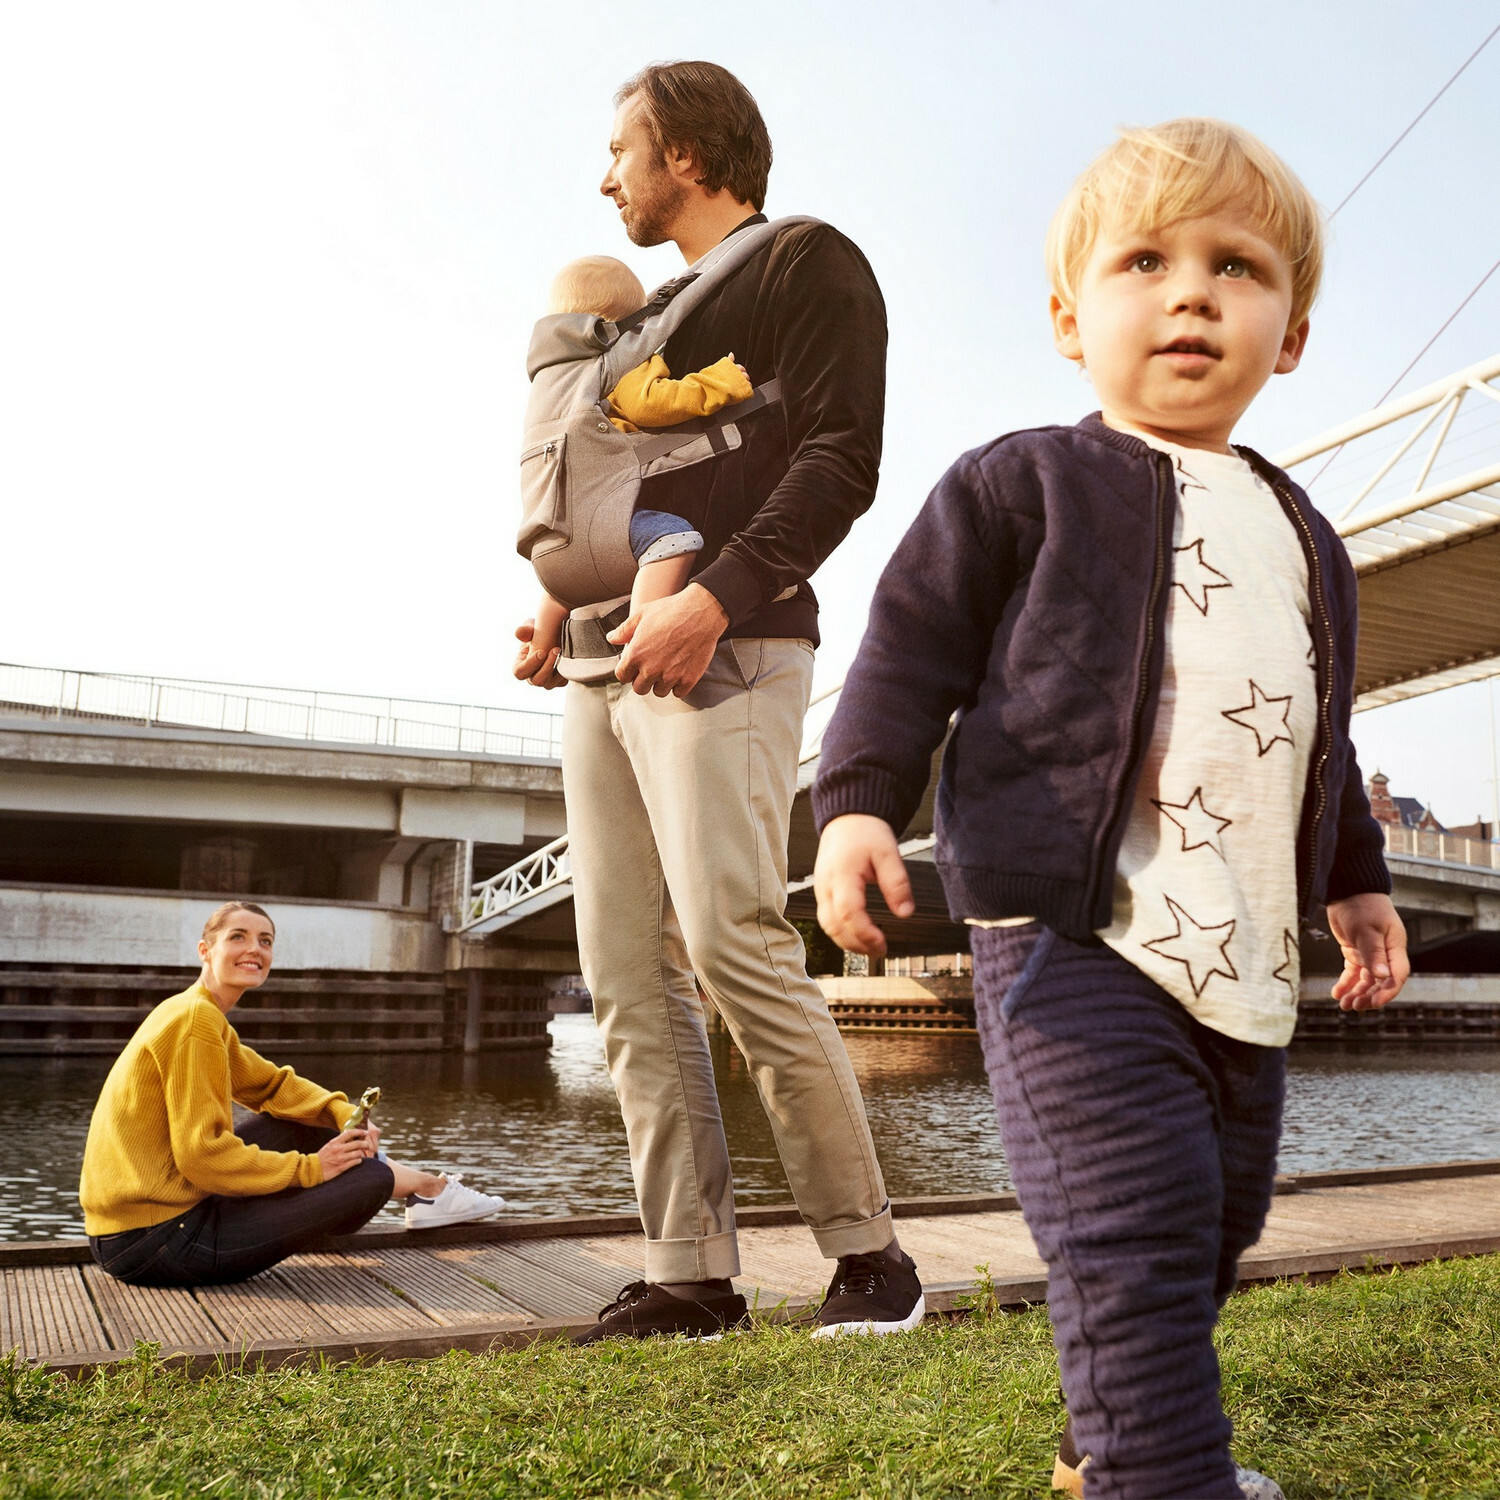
{"type": "Point", "coordinates": [372, 1140]}
{"type": "Point", "coordinates": [345, 1150]}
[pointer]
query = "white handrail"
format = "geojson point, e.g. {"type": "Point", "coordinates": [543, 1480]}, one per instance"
{"type": "Point", "coordinates": [285, 713]}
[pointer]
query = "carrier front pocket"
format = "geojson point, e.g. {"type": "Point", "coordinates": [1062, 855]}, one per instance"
{"type": "Point", "coordinates": [544, 497]}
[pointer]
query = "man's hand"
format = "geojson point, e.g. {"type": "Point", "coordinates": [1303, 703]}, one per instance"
{"type": "Point", "coordinates": [670, 642]}
{"type": "Point", "coordinates": [1373, 940]}
{"type": "Point", "coordinates": [855, 850]}
{"type": "Point", "coordinates": [533, 666]}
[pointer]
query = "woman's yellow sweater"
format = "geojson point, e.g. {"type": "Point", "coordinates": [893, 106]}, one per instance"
{"type": "Point", "coordinates": [162, 1136]}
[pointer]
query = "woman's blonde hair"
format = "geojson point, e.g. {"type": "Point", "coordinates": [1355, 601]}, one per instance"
{"type": "Point", "coordinates": [1159, 174]}
{"type": "Point", "coordinates": [219, 917]}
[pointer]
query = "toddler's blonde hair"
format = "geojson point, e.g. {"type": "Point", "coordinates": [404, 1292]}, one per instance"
{"type": "Point", "coordinates": [597, 284]}
{"type": "Point", "coordinates": [1159, 174]}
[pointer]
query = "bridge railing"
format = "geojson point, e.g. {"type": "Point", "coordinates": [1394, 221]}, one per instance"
{"type": "Point", "coordinates": [286, 713]}
{"type": "Point", "coordinates": [549, 867]}
{"type": "Point", "coordinates": [1451, 848]}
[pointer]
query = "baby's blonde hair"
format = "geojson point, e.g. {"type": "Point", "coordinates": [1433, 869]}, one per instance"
{"type": "Point", "coordinates": [1187, 168]}
{"type": "Point", "coordinates": [596, 284]}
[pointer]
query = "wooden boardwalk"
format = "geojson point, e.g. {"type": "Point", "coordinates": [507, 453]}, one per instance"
{"type": "Point", "coordinates": [386, 1293]}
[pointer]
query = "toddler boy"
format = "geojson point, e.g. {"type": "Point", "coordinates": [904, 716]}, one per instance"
{"type": "Point", "coordinates": [1148, 638]}
{"type": "Point", "coordinates": [664, 545]}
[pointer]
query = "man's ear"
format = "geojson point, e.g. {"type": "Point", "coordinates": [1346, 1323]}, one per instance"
{"type": "Point", "coordinates": [682, 165]}
{"type": "Point", "coordinates": [1065, 330]}
{"type": "Point", "coordinates": [1293, 346]}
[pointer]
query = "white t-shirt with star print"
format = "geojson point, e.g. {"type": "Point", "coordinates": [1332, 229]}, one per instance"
{"type": "Point", "coordinates": [1206, 885]}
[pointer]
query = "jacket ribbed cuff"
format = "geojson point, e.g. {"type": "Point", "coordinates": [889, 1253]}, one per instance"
{"type": "Point", "coordinates": [1358, 874]}
{"type": "Point", "coordinates": [873, 793]}
{"type": "Point", "coordinates": [733, 584]}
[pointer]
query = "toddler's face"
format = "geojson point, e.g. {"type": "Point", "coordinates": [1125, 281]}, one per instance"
{"type": "Point", "coordinates": [1180, 327]}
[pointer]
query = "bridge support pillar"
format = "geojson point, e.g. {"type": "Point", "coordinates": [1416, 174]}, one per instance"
{"type": "Point", "coordinates": [473, 1009]}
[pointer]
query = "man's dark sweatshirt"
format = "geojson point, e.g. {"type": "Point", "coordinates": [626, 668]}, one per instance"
{"type": "Point", "coordinates": [805, 311]}
{"type": "Point", "coordinates": [1029, 597]}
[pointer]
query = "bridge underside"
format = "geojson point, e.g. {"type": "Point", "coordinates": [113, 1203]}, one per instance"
{"type": "Point", "coordinates": [1429, 618]}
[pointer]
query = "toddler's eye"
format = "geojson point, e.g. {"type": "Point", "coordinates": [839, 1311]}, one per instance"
{"type": "Point", "coordinates": [1147, 261]}
{"type": "Point", "coordinates": [1238, 269]}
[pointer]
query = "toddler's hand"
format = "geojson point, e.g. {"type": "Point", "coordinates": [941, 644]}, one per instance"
{"type": "Point", "coordinates": [1373, 940]}
{"type": "Point", "coordinates": [856, 850]}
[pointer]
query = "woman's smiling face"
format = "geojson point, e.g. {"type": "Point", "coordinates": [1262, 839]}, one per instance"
{"type": "Point", "coordinates": [1180, 327]}
{"type": "Point", "coordinates": [238, 956]}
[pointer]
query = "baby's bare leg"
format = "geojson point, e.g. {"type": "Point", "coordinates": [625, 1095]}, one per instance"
{"type": "Point", "coordinates": [660, 579]}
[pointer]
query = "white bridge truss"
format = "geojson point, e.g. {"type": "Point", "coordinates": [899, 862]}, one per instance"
{"type": "Point", "coordinates": [544, 878]}
{"type": "Point", "coordinates": [1417, 486]}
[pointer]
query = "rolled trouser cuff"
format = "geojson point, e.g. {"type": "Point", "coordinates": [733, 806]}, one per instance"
{"type": "Point", "coordinates": [861, 1238]}
{"type": "Point", "coordinates": [710, 1258]}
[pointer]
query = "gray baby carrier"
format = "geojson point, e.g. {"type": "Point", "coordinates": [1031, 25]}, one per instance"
{"type": "Point", "coordinates": [581, 476]}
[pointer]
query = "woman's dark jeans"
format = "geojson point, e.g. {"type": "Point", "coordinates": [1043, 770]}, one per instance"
{"type": "Point", "coordinates": [229, 1239]}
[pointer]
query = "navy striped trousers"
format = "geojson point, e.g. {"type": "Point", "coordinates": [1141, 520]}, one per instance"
{"type": "Point", "coordinates": [1143, 1149]}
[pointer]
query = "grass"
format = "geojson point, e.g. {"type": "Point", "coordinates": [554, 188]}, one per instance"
{"type": "Point", "coordinates": [1369, 1386]}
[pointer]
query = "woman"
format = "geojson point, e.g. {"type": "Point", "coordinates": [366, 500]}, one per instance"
{"type": "Point", "coordinates": [173, 1195]}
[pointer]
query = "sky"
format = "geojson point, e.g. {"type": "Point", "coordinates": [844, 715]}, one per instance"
{"type": "Point", "coordinates": [269, 272]}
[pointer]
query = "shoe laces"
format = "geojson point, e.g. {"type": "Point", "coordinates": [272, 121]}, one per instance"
{"type": "Point", "coordinates": [635, 1292]}
{"type": "Point", "coordinates": [859, 1275]}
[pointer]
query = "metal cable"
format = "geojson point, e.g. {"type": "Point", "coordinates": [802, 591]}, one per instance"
{"type": "Point", "coordinates": [1415, 122]}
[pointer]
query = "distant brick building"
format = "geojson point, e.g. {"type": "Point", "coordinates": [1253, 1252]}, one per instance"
{"type": "Point", "coordinates": [1402, 812]}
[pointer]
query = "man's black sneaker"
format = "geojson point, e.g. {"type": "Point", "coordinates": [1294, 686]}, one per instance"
{"type": "Point", "coordinates": [871, 1294]}
{"type": "Point", "coordinates": [643, 1308]}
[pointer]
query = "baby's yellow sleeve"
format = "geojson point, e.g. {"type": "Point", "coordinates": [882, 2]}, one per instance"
{"type": "Point", "coordinates": [648, 396]}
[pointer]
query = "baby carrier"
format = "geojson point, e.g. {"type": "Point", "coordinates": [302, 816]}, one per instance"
{"type": "Point", "coordinates": [581, 476]}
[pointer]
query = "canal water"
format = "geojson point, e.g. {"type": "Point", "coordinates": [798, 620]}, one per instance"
{"type": "Point", "coordinates": [543, 1129]}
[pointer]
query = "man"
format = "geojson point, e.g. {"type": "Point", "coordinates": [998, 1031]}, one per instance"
{"type": "Point", "coordinates": [680, 773]}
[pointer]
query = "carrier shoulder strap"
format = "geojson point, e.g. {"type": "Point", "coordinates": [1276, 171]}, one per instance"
{"type": "Point", "coordinates": [643, 332]}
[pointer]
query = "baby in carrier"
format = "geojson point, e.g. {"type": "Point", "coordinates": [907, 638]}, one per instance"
{"type": "Point", "coordinates": [645, 397]}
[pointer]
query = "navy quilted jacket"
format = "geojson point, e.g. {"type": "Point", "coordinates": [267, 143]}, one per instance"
{"type": "Point", "coordinates": [1030, 597]}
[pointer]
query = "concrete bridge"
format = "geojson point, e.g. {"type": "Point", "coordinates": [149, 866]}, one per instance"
{"type": "Point", "coordinates": [129, 807]}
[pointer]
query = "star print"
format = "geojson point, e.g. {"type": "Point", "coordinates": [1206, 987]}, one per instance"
{"type": "Point", "coordinates": [1195, 577]}
{"type": "Point", "coordinates": [1265, 717]}
{"type": "Point", "coordinates": [1290, 968]}
{"type": "Point", "coordinates": [1198, 949]}
{"type": "Point", "coordinates": [1200, 827]}
{"type": "Point", "coordinates": [1185, 481]}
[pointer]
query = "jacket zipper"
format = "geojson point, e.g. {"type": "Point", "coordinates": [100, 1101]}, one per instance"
{"type": "Point", "coordinates": [1308, 858]}
{"type": "Point", "coordinates": [1165, 491]}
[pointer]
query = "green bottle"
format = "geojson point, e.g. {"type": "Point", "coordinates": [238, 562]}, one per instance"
{"type": "Point", "coordinates": [367, 1102]}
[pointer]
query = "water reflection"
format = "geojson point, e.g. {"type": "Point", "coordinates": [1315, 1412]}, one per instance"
{"type": "Point", "coordinates": [544, 1128]}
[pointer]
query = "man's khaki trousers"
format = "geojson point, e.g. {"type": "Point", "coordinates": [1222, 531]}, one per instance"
{"type": "Point", "coordinates": [677, 826]}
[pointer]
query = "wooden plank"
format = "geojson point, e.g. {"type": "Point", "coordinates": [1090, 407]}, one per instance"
{"type": "Point", "coordinates": [571, 1260]}
{"type": "Point", "coordinates": [45, 1312]}
{"type": "Point", "coordinates": [346, 1299]}
{"type": "Point", "coordinates": [263, 1308]}
{"type": "Point", "coordinates": [169, 1316]}
{"type": "Point", "coordinates": [445, 1293]}
{"type": "Point", "coordinates": [539, 1290]}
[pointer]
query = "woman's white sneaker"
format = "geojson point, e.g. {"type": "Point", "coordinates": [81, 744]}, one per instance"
{"type": "Point", "coordinates": [456, 1204]}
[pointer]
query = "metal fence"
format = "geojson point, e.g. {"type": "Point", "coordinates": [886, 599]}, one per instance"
{"type": "Point", "coordinates": [1451, 848]}
{"type": "Point", "coordinates": [285, 713]}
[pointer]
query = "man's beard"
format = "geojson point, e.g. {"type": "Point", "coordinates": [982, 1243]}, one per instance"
{"type": "Point", "coordinates": [653, 208]}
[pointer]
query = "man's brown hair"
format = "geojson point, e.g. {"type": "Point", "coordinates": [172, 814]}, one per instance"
{"type": "Point", "coordinates": [705, 112]}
